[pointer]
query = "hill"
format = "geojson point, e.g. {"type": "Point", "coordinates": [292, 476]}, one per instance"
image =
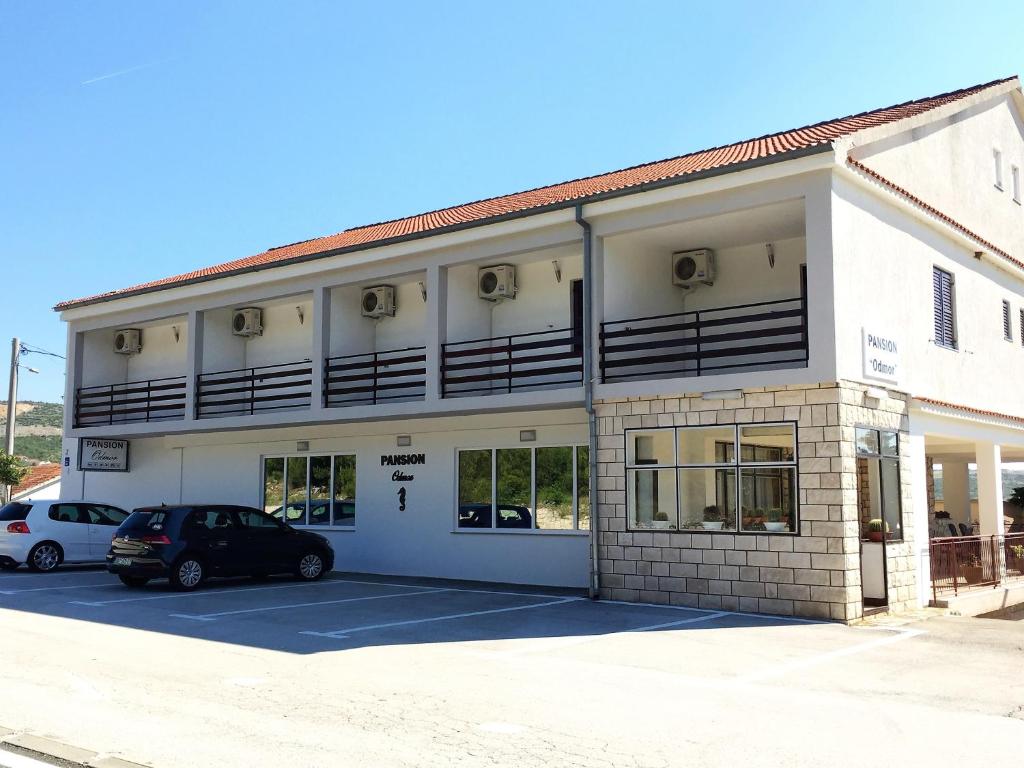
{"type": "Point", "coordinates": [37, 431]}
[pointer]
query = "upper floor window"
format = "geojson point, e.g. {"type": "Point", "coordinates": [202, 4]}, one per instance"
{"type": "Point", "coordinates": [1022, 327]}
{"type": "Point", "coordinates": [945, 311]}
{"type": "Point", "coordinates": [1015, 182]}
{"type": "Point", "coordinates": [997, 158]}
{"type": "Point", "coordinates": [1007, 330]}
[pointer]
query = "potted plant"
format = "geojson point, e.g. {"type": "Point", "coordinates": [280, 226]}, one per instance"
{"type": "Point", "coordinates": [774, 521]}
{"type": "Point", "coordinates": [877, 530]}
{"type": "Point", "coordinates": [713, 519]}
{"type": "Point", "coordinates": [971, 571]}
{"type": "Point", "coordinates": [1016, 560]}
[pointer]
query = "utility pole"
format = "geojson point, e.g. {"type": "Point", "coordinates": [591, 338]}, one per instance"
{"type": "Point", "coordinates": [12, 405]}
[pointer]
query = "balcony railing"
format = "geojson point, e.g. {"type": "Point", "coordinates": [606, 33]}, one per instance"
{"type": "Point", "coordinates": [962, 562]}
{"type": "Point", "coordinates": [251, 390]}
{"type": "Point", "coordinates": [368, 379]}
{"type": "Point", "coordinates": [505, 364]}
{"type": "Point", "coordinates": [764, 335]}
{"type": "Point", "coordinates": [152, 400]}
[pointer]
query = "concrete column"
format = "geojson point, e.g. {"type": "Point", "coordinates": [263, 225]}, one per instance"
{"type": "Point", "coordinates": [321, 344]}
{"type": "Point", "coordinates": [437, 327]}
{"type": "Point", "coordinates": [990, 487]}
{"type": "Point", "coordinates": [597, 293]}
{"type": "Point", "coordinates": [916, 464]}
{"type": "Point", "coordinates": [73, 382]}
{"type": "Point", "coordinates": [821, 282]}
{"type": "Point", "coordinates": [193, 360]}
{"type": "Point", "coordinates": [955, 493]}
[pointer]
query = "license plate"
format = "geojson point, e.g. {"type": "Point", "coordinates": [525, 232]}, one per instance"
{"type": "Point", "coordinates": [122, 561]}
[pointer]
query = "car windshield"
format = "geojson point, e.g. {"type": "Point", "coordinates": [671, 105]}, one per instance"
{"type": "Point", "coordinates": [145, 520]}
{"type": "Point", "coordinates": [14, 511]}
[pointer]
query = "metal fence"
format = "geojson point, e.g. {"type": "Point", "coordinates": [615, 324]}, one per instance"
{"type": "Point", "coordinates": [963, 562]}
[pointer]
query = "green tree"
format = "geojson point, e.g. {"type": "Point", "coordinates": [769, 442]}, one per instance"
{"type": "Point", "coordinates": [1017, 497]}
{"type": "Point", "coordinates": [11, 470]}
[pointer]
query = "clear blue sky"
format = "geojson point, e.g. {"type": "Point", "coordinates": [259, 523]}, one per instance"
{"type": "Point", "coordinates": [142, 139]}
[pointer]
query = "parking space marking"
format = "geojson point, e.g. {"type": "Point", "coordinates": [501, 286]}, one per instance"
{"type": "Point", "coordinates": [220, 614]}
{"type": "Point", "coordinates": [54, 588]}
{"type": "Point", "coordinates": [785, 668]}
{"type": "Point", "coordinates": [341, 634]}
{"type": "Point", "coordinates": [554, 644]}
{"type": "Point", "coordinates": [239, 590]}
{"type": "Point", "coordinates": [740, 614]}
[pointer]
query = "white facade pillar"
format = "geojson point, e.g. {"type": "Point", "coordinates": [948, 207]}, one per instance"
{"type": "Point", "coordinates": [193, 360]}
{"type": "Point", "coordinates": [73, 381]}
{"type": "Point", "coordinates": [990, 487]}
{"type": "Point", "coordinates": [321, 345]}
{"type": "Point", "coordinates": [918, 468]}
{"type": "Point", "coordinates": [821, 280]}
{"type": "Point", "coordinates": [956, 497]}
{"type": "Point", "coordinates": [436, 285]}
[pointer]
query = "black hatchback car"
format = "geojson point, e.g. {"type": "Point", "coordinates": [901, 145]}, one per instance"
{"type": "Point", "coordinates": [186, 544]}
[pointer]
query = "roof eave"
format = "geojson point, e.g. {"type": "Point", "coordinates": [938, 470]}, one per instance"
{"type": "Point", "coordinates": [462, 226]}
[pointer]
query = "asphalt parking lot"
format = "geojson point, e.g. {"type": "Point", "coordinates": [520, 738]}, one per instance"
{"type": "Point", "coordinates": [362, 670]}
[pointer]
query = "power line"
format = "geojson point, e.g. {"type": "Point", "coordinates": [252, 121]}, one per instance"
{"type": "Point", "coordinates": [31, 349]}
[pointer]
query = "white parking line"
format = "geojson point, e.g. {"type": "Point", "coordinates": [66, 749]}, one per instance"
{"type": "Point", "coordinates": [341, 634]}
{"type": "Point", "coordinates": [785, 668]}
{"type": "Point", "coordinates": [219, 614]}
{"type": "Point", "coordinates": [55, 588]}
{"type": "Point", "coordinates": [552, 644]}
{"type": "Point", "coordinates": [240, 590]}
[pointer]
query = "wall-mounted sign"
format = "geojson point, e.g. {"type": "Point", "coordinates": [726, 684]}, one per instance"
{"type": "Point", "coordinates": [881, 355]}
{"type": "Point", "coordinates": [98, 455]}
{"type": "Point", "coordinates": [399, 475]}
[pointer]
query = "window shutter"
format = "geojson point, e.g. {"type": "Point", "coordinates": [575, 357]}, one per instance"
{"type": "Point", "coordinates": [1007, 332]}
{"type": "Point", "coordinates": [942, 290]}
{"type": "Point", "coordinates": [1022, 327]}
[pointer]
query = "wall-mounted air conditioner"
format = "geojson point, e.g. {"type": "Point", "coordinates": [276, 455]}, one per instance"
{"type": "Point", "coordinates": [378, 301]}
{"type": "Point", "coordinates": [247, 322]}
{"type": "Point", "coordinates": [497, 282]}
{"type": "Point", "coordinates": [693, 268]}
{"type": "Point", "coordinates": [128, 341]}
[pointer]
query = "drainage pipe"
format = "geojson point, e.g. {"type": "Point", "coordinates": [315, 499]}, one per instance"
{"type": "Point", "coordinates": [588, 390]}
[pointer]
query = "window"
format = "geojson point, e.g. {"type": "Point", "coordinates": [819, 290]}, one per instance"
{"type": "Point", "coordinates": [528, 489]}
{"type": "Point", "coordinates": [720, 478]}
{"type": "Point", "coordinates": [1015, 182]}
{"type": "Point", "coordinates": [212, 519]}
{"type": "Point", "coordinates": [997, 157]}
{"type": "Point", "coordinates": [1022, 327]}
{"type": "Point", "coordinates": [69, 513]}
{"type": "Point", "coordinates": [18, 511]}
{"type": "Point", "coordinates": [311, 490]}
{"type": "Point", "coordinates": [878, 485]}
{"type": "Point", "coordinates": [944, 296]}
{"type": "Point", "coordinates": [250, 518]}
{"type": "Point", "coordinates": [103, 515]}
{"type": "Point", "coordinates": [1007, 331]}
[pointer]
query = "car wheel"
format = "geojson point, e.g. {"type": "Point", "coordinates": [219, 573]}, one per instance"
{"type": "Point", "coordinates": [187, 574]}
{"type": "Point", "coordinates": [310, 567]}
{"type": "Point", "coordinates": [133, 581]}
{"type": "Point", "coordinates": [45, 556]}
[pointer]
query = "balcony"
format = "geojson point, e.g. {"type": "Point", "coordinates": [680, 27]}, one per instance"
{"type": "Point", "coordinates": [246, 391]}
{"type": "Point", "coordinates": [375, 377]}
{"type": "Point", "coordinates": [506, 364]}
{"type": "Point", "coordinates": [152, 400]}
{"type": "Point", "coordinates": [760, 336]}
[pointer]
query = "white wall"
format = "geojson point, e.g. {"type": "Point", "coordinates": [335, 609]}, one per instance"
{"type": "Point", "coordinates": [408, 328]}
{"type": "Point", "coordinates": [100, 364]}
{"type": "Point", "coordinates": [542, 303]}
{"type": "Point", "coordinates": [284, 339]}
{"type": "Point", "coordinates": [884, 262]}
{"type": "Point", "coordinates": [950, 165]}
{"type": "Point", "coordinates": [417, 542]}
{"type": "Point", "coordinates": [638, 278]}
{"type": "Point", "coordinates": [162, 355]}
{"type": "Point", "coordinates": [222, 350]}
{"type": "Point", "coordinates": [351, 333]}
{"type": "Point", "coordinates": [469, 316]}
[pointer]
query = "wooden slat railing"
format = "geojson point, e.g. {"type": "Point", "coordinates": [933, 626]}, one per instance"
{"type": "Point", "coordinates": [150, 400]}
{"type": "Point", "coordinates": [375, 377]}
{"type": "Point", "coordinates": [251, 390]}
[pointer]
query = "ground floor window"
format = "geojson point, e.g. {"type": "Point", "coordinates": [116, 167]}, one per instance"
{"type": "Point", "coordinates": [738, 478]}
{"type": "Point", "coordinates": [537, 488]}
{"type": "Point", "coordinates": [311, 490]}
{"type": "Point", "coordinates": [878, 485]}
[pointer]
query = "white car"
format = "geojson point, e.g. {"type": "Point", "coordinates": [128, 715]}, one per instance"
{"type": "Point", "coordinates": [44, 534]}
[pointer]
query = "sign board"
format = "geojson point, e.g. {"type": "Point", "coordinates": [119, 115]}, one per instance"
{"type": "Point", "coordinates": [881, 355]}
{"type": "Point", "coordinates": [99, 455]}
{"type": "Point", "coordinates": [400, 475]}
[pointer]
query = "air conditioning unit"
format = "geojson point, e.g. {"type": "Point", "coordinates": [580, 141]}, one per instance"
{"type": "Point", "coordinates": [497, 282]}
{"type": "Point", "coordinates": [128, 341]}
{"type": "Point", "coordinates": [247, 321]}
{"type": "Point", "coordinates": [693, 268]}
{"type": "Point", "coordinates": [378, 301]}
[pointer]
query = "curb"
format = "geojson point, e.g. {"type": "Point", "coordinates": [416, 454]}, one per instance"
{"type": "Point", "coordinates": [58, 753]}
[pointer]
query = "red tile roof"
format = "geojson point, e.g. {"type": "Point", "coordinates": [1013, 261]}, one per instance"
{"type": "Point", "coordinates": [770, 148]}
{"type": "Point", "coordinates": [970, 409]}
{"type": "Point", "coordinates": [41, 474]}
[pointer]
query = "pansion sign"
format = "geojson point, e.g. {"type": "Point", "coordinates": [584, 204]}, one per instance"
{"type": "Point", "coordinates": [881, 355]}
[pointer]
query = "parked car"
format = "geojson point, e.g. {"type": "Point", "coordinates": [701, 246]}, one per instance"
{"type": "Point", "coordinates": [187, 544]}
{"type": "Point", "coordinates": [319, 512]}
{"type": "Point", "coordinates": [509, 516]}
{"type": "Point", "coordinates": [44, 534]}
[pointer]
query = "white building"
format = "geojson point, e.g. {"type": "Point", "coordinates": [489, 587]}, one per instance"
{"type": "Point", "coordinates": [861, 315]}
